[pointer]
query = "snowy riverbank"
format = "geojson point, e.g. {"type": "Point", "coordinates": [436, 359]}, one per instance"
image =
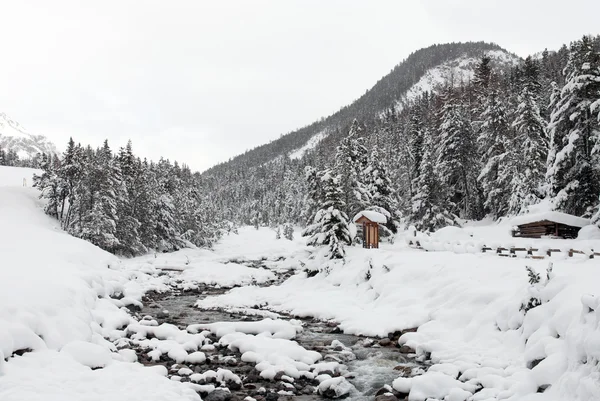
{"type": "Point", "coordinates": [65, 300]}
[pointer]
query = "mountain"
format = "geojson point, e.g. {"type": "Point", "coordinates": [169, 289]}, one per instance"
{"type": "Point", "coordinates": [14, 137]}
{"type": "Point", "coordinates": [266, 185]}
{"type": "Point", "coordinates": [421, 71]}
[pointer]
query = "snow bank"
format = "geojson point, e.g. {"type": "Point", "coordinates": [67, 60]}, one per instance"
{"type": "Point", "coordinates": [590, 232]}
{"type": "Point", "coordinates": [51, 375]}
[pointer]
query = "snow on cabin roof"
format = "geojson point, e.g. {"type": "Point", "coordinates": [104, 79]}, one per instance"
{"type": "Point", "coordinates": [556, 217]}
{"type": "Point", "coordinates": [375, 217]}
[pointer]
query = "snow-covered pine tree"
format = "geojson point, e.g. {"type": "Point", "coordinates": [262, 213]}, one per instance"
{"type": "Point", "coordinates": [49, 185]}
{"type": "Point", "coordinates": [70, 173]}
{"type": "Point", "coordinates": [415, 134]}
{"type": "Point", "coordinates": [495, 142]}
{"type": "Point", "coordinates": [380, 190]}
{"type": "Point", "coordinates": [330, 225]}
{"type": "Point", "coordinates": [99, 225]}
{"type": "Point", "coordinates": [351, 162]}
{"type": "Point", "coordinates": [457, 157]}
{"type": "Point", "coordinates": [429, 211]}
{"type": "Point", "coordinates": [128, 226]}
{"type": "Point", "coordinates": [572, 174]}
{"type": "Point", "coordinates": [531, 143]}
{"type": "Point", "coordinates": [146, 192]}
{"type": "Point", "coordinates": [314, 195]}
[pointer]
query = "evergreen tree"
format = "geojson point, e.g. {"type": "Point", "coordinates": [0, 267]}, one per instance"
{"type": "Point", "coordinates": [48, 184]}
{"type": "Point", "coordinates": [530, 145]}
{"type": "Point", "coordinates": [457, 158]}
{"type": "Point", "coordinates": [428, 203]}
{"type": "Point", "coordinates": [573, 161]}
{"type": "Point", "coordinates": [127, 229]}
{"type": "Point", "coordinates": [351, 162]}
{"type": "Point", "coordinates": [380, 191]}
{"type": "Point", "coordinates": [495, 143]}
{"type": "Point", "coordinates": [99, 226]}
{"type": "Point", "coordinates": [330, 225]}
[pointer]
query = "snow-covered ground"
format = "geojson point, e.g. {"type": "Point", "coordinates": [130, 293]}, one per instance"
{"type": "Point", "coordinates": [309, 145]}
{"type": "Point", "coordinates": [55, 300]}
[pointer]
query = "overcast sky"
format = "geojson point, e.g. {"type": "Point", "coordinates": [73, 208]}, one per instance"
{"type": "Point", "coordinates": [201, 81]}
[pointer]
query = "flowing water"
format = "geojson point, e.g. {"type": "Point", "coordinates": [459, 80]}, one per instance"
{"type": "Point", "coordinates": [371, 366]}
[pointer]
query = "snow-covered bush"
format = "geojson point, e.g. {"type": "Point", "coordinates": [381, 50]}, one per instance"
{"type": "Point", "coordinates": [288, 232]}
{"type": "Point", "coordinates": [536, 285]}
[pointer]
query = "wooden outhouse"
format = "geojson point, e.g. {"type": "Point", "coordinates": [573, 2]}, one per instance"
{"type": "Point", "coordinates": [369, 221]}
{"type": "Point", "coordinates": [548, 224]}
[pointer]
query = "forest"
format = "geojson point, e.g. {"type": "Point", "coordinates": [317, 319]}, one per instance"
{"type": "Point", "coordinates": [493, 145]}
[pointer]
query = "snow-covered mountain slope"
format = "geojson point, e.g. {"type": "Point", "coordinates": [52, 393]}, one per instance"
{"type": "Point", "coordinates": [458, 70]}
{"type": "Point", "coordinates": [422, 70]}
{"type": "Point", "coordinates": [310, 144]}
{"type": "Point", "coordinates": [13, 136]}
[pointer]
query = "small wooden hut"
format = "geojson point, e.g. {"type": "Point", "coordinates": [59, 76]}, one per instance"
{"type": "Point", "coordinates": [369, 221]}
{"type": "Point", "coordinates": [548, 224]}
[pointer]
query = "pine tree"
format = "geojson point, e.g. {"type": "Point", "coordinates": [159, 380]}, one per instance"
{"type": "Point", "coordinates": [99, 226]}
{"type": "Point", "coordinates": [70, 172]}
{"type": "Point", "coordinates": [530, 144]}
{"type": "Point", "coordinates": [574, 133]}
{"type": "Point", "coordinates": [415, 134]}
{"type": "Point", "coordinates": [380, 191]}
{"type": "Point", "coordinates": [495, 144]}
{"type": "Point", "coordinates": [48, 184]}
{"type": "Point", "coordinates": [351, 162]}
{"type": "Point", "coordinates": [330, 225]}
{"type": "Point", "coordinates": [428, 203]}
{"type": "Point", "coordinates": [457, 158]}
{"type": "Point", "coordinates": [127, 229]}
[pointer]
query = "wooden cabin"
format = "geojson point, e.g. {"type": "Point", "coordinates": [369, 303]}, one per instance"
{"type": "Point", "coordinates": [549, 224]}
{"type": "Point", "coordinates": [369, 221]}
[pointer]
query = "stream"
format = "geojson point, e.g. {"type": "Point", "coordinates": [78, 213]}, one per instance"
{"type": "Point", "coordinates": [372, 363]}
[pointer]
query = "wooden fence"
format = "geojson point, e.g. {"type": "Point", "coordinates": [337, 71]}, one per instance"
{"type": "Point", "coordinates": [512, 252]}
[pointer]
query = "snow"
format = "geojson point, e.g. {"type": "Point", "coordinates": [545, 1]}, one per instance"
{"type": "Point", "coordinates": [266, 327]}
{"type": "Point", "coordinates": [88, 354]}
{"type": "Point", "coordinates": [591, 232]}
{"type": "Point", "coordinates": [557, 217]}
{"type": "Point", "coordinates": [461, 69]}
{"type": "Point", "coordinates": [338, 385]}
{"type": "Point", "coordinates": [14, 176]}
{"type": "Point", "coordinates": [467, 310]}
{"type": "Point", "coordinates": [310, 144]}
{"type": "Point", "coordinates": [55, 292]}
{"type": "Point", "coordinates": [372, 215]}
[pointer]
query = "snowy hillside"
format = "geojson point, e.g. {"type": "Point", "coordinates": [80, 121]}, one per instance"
{"type": "Point", "coordinates": [13, 136]}
{"type": "Point", "coordinates": [458, 71]}
{"type": "Point", "coordinates": [312, 142]}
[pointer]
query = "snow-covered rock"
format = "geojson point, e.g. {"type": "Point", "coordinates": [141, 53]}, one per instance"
{"type": "Point", "coordinates": [88, 354]}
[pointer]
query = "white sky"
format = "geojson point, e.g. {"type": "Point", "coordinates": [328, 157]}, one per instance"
{"type": "Point", "coordinates": [201, 81]}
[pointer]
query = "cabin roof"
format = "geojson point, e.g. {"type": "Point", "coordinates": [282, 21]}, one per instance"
{"type": "Point", "coordinates": [555, 217]}
{"type": "Point", "coordinates": [371, 215]}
